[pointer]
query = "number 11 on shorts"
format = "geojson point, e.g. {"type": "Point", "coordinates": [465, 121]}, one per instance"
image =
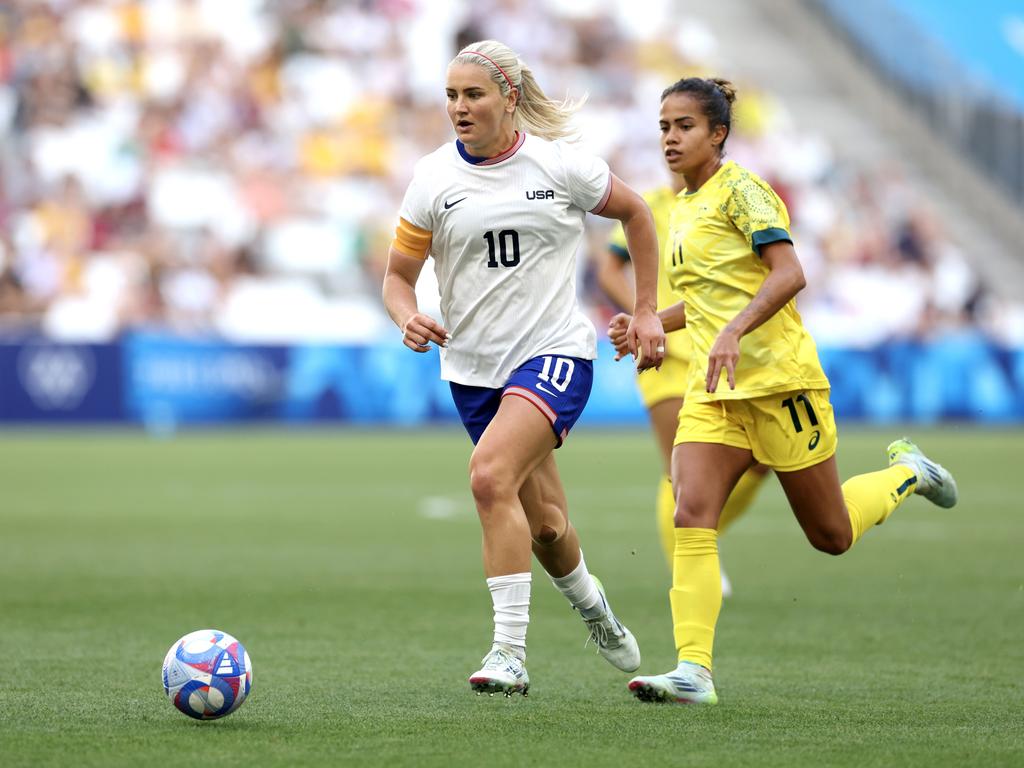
{"type": "Point", "coordinates": [788, 403]}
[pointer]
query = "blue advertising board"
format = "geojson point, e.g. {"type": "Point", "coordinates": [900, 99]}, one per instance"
{"type": "Point", "coordinates": [41, 381]}
{"type": "Point", "coordinates": [170, 380]}
{"type": "Point", "coordinates": [163, 381]}
{"type": "Point", "coordinates": [963, 378]}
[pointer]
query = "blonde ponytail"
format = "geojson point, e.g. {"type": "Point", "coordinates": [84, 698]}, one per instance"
{"type": "Point", "coordinates": [535, 113]}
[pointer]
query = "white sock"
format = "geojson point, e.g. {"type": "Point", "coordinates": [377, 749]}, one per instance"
{"type": "Point", "coordinates": [511, 597]}
{"type": "Point", "coordinates": [580, 590]}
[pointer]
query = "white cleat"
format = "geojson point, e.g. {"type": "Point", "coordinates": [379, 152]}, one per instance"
{"type": "Point", "coordinates": [934, 481]}
{"type": "Point", "coordinates": [613, 640]}
{"type": "Point", "coordinates": [687, 684]}
{"type": "Point", "coordinates": [501, 671]}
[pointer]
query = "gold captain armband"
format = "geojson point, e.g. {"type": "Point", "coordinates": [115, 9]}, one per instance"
{"type": "Point", "coordinates": [410, 240]}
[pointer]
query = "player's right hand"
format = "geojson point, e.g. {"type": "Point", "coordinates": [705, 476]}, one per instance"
{"type": "Point", "coordinates": [646, 339]}
{"type": "Point", "coordinates": [419, 330]}
{"type": "Point", "coordinates": [617, 328]}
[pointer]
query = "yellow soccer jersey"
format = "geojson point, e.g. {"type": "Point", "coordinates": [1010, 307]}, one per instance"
{"type": "Point", "coordinates": [660, 200]}
{"type": "Point", "coordinates": [716, 235]}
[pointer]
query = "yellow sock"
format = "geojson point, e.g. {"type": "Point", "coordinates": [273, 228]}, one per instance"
{"type": "Point", "coordinates": [696, 594]}
{"type": "Point", "coordinates": [740, 499]}
{"type": "Point", "coordinates": [871, 498]}
{"type": "Point", "coordinates": [666, 511]}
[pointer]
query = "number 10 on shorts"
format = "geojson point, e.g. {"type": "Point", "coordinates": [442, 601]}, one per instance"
{"type": "Point", "coordinates": [557, 372]}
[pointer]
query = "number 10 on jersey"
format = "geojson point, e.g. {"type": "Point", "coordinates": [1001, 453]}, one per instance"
{"type": "Point", "coordinates": [507, 250]}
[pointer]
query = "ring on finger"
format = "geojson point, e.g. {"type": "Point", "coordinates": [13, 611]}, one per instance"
{"type": "Point", "coordinates": [659, 349]}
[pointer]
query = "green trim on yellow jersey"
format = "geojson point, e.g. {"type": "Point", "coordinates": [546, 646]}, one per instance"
{"type": "Point", "coordinates": [714, 237]}
{"type": "Point", "coordinates": [619, 250]}
{"type": "Point", "coordinates": [768, 236]}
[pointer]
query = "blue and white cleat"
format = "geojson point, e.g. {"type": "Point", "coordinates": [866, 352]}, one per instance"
{"type": "Point", "coordinates": [934, 482]}
{"type": "Point", "coordinates": [501, 671]}
{"type": "Point", "coordinates": [614, 642]}
{"type": "Point", "coordinates": [688, 683]}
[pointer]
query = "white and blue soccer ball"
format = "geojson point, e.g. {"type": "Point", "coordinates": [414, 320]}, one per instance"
{"type": "Point", "coordinates": [207, 674]}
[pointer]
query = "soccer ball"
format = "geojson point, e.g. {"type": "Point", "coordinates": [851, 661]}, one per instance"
{"type": "Point", "coordinates": [207, 674]}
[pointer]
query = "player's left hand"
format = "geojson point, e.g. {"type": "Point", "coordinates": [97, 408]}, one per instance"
{"type": "Point", "coordinates": [725, 353]}
{"type": "Point", "coordinates": [646, 339]}
{"type": "Point", "coordinates": [617, 329]}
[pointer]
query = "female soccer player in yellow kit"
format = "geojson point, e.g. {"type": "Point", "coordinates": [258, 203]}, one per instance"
{"type": "Point", "coordinates": [662, 389]}
{"type": "Point", "coordinates": [734, 263]}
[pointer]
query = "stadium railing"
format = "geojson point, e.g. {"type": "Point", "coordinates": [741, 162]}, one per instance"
{"type": "Point", "coordinates": [974, 117]}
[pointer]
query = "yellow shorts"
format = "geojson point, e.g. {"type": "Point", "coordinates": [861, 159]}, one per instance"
{"type": "Point", "coordinates": [664, 384]}
{"type": "Point", "coordinates": [786, 431]}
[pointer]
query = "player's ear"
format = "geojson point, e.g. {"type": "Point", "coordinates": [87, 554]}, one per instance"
{"type": "Point", "coordinates": [512, 100]}
{"type": "Point", "coordinates": [719, 135]}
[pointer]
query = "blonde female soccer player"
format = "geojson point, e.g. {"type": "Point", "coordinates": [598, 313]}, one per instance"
{"type": "Point", "coordinates": [501, 210]}
{"type": "Point", "coordinates": [662, 389]}
{"type": "Point", "coordinates": [733, 261]}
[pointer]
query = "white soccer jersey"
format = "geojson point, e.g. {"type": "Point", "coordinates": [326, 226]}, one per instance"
{"type": "Point", "coordinates": [505, 232]}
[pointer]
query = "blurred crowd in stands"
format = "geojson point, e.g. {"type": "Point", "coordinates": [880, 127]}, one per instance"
{"type": "Point", "coordinates": [234, 168]}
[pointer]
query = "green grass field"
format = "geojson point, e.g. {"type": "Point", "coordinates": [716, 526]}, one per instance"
{"type": "Point", "coordinates": [348, 564]}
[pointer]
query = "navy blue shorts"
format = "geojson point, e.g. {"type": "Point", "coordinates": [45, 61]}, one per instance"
{"type": "Point", "coordinates": [558, 387]}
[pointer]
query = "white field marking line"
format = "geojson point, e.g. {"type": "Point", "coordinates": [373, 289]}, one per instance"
{"type": "Point", "coordinates": [289, 490]}
{"type": "Point", "coordinates": [443, 508]}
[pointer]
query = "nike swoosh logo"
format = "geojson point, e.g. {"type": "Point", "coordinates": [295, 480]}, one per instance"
{"type": "Point", "coordinates": [542, 388]}
{"type": "Point", "coordinates": [448, 205]}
